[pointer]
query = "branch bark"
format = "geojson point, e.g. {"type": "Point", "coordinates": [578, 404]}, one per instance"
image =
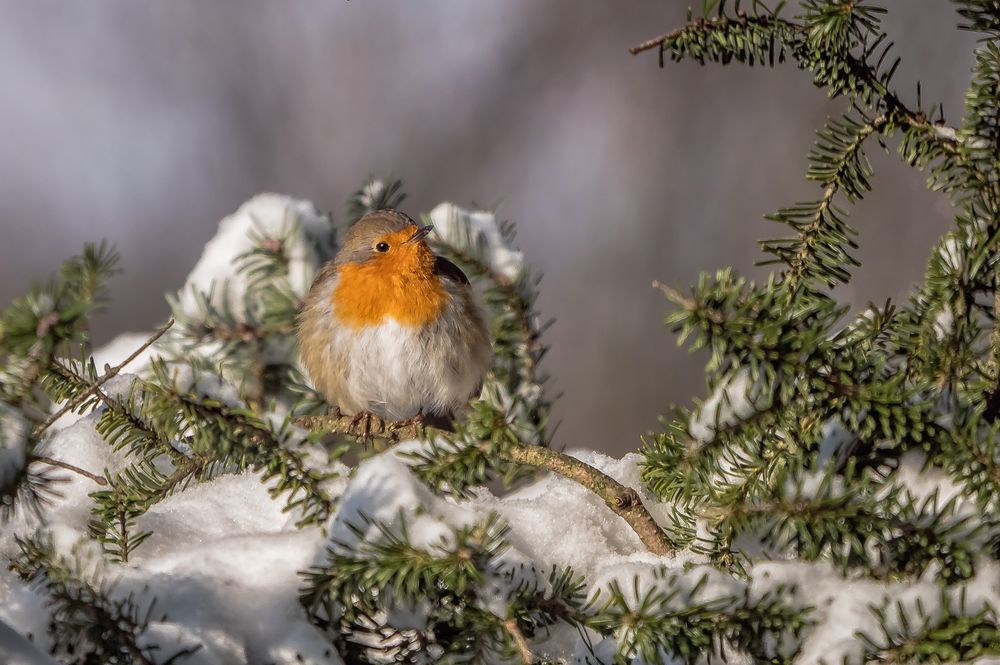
{"type": "Point", "coordinates": [623, 501]}
{"type": "Point", "coordinates": [69, 467]}
{"type": "Point", "coordinates": [510, 625]}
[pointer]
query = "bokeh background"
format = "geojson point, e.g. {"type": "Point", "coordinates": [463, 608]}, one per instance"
{"type": "Point", "coordinates": [147, 122]}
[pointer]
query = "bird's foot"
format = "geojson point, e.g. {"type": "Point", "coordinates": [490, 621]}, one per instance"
{"type": "Point", "coordinates": [361, 424]}
{"type": "Point", "coordinates": [416, 422]}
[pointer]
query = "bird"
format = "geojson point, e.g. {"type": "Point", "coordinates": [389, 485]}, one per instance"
{"type": "Point", "coordinates": [390, 329]}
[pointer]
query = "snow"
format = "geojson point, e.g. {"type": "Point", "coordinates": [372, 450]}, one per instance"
{"type": "Point", "coordinates": [13, 439]}
{"type": "Point", "coordinates": [225, 557]}
{"type": "Point", "coordinates": [555, 521]}
{"type": "Point", "coordinates": [477, 230]}
{"type": "Point", "coordinates": [944, 322]}
{"type": "Point", "coordinates": [843, 607]}
{"type": "Point", "coordinates": [371, 192]}
{"type": "Point", "coordinates": [121, 347]}
{"type": "Point", "coordinates": [18, 650]}
{"type": "Point", "coordinates": [272, 216]}
{"type": "Point", "coordinates": [222, 563]}
{"type": "Point", "coordinates": [733, 400]}
{"type": "Point", "coordinates": [383, 490]}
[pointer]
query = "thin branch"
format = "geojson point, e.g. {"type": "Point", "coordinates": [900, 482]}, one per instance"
{"type": "Point", "coordinates": [690, 304]}
{"type": "Point", "coordinates": [371, 428]}
{"type": "Point", "coordinates": [68, 372]}
{"type": "Point", "coordinates": [623, 501]}
{"type": "Point", "coordinates": [95, 387]}
{"type": "Point", "coordinates": [69, 467]}
{"type": "Point", "coordinates": [658, 42]}
{"type": "Point", "coordinates": [510, 625]}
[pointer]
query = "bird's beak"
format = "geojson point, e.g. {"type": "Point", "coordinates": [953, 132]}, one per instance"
{"type": "Point", "coordinates": [420, 234]}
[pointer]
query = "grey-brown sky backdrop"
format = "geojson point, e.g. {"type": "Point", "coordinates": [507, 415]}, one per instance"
{"type": "Point", "coordinates": [146, 122]}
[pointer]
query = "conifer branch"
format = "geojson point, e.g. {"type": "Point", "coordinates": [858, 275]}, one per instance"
{"type": "Point", "coordinates": [107, 376]}
{"type": "Point", "coordinates": [796, 37]}
{"type": "Point", "coordinates": [87, 619]}
{"type": "Point", "coordinates": [81, 383]}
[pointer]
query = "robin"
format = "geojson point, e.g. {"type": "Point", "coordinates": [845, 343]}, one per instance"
{"type": "Point", "coordinates": [391, 329]}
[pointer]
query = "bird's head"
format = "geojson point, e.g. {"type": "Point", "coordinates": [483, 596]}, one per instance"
{"type": "Point", "coordinates": [390, 243]}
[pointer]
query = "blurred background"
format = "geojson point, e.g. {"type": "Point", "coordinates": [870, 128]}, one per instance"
{"type": "Point", "coordinates": [145, 123]}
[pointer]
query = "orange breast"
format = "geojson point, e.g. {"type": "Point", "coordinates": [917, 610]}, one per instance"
{"type": "Point", "coordinates": [403, 287]}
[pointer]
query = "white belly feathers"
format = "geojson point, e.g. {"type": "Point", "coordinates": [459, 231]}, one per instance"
{"type": "Point", "coordinates": [394, 370]}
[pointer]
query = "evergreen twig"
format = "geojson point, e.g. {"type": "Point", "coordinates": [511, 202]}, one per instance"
{"type": "Point", "coordinates": [107, 376]}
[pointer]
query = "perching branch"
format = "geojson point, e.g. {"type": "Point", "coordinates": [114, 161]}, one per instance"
{"type": "Point", "coordinates": [370, 428]}
{"type": "Point", "coordinates": [623, 501]}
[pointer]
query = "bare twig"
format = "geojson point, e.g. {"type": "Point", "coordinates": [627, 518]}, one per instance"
{"type": "Point", "coordinates": [623, 501]}
{"type": "Point", "coordinates": [656, 42]}
{"type": "Point", "coordinates": [70, 467]}
{"type": "Point", "coordinates": [690, 304]}
{"type": "Point", "coordinates": [107, 376]}
{"type": "Point", "coordinates": [510, 625]}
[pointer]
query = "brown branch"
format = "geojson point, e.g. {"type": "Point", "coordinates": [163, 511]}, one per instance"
{"type": "Point", "coordinates": [107, 376]}
{"type": "Point", "coordinates": [623, 501]}
{"type": "Point", "coordinates": [370, 427]}
{"type": "Point", "coordinates": [657, 42]}
{"type": "Point", "coordinates": [510, 625]}
{"type": "Point", "coordinates": [69, 467]}
{"type": "Point", "coordinates": [690, 304]}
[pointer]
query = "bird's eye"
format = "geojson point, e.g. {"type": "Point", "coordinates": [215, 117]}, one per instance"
{"type": "Point", "coordinates": [382, 247]}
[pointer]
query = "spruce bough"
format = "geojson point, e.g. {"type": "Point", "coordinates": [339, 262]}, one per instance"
{"type": "Point", "coordinates": [832, 499]}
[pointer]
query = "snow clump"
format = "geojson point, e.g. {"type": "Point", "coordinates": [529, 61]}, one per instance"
{"type": "Point", "coordinates": [477, 232]}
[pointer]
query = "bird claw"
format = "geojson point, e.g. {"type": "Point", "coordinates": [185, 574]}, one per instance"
{"type": "Point", "coordinates": [365, 418]}
{"type": "Point", "coordinates": [415, 421]}
{"type": "Point", "coordinates": [366, 427]}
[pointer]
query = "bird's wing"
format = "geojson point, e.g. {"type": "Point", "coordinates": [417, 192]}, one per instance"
{"type": "Point", "coordinates": [448, 270]}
